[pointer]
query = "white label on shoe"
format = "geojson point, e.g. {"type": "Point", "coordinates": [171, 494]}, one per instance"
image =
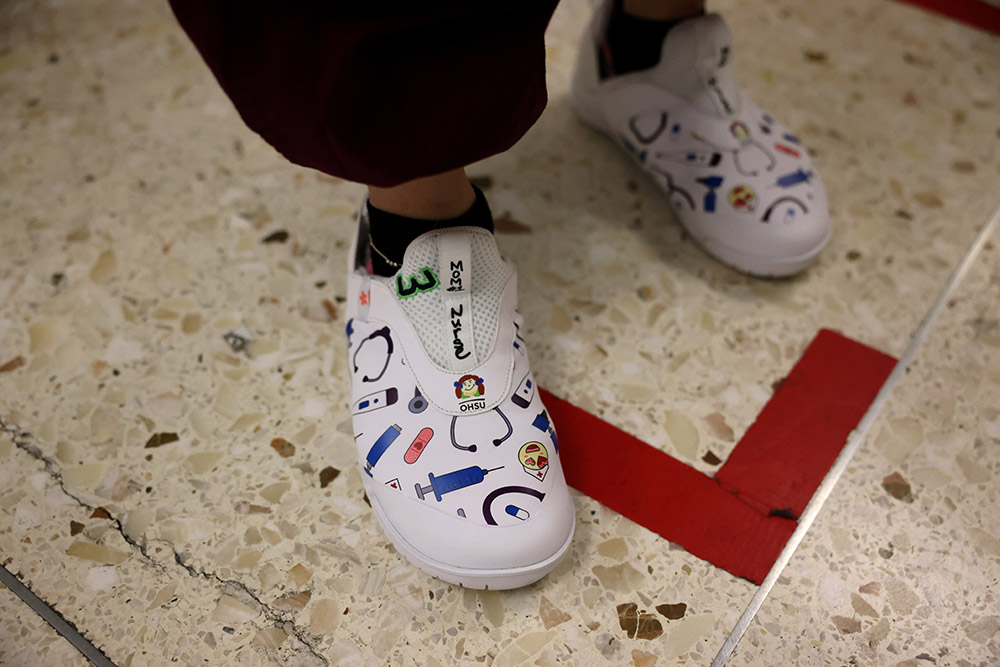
{"type": "Point", "coordinates": [455, 269]}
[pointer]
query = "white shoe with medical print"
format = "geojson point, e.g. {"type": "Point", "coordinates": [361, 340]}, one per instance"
{"type": "Point", "coordinates": [457, 453]}
{"type": "Point", "coordinates": [740, 182]}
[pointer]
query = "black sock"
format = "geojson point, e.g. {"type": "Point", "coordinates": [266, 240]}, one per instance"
{"type": "Point", "coordinates": [391, 233]}
{"type": "Point", "coordinates": [632, 44]}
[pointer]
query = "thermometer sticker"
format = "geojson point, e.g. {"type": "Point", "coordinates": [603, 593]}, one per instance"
{"type": "Point", "coordinates": [379, 399]}
{"type": "Point", "coordinates": [418, 444]}
{"type": "Point", "coordinates": [525, 391]}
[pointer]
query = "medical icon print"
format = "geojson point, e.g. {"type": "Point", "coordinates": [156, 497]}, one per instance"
{"type": "Point", "coordinates": [375, 361]}
{"type": "Point", "coordinates": [417, 446]}
{"type": "Point", "coordinates": [375, 400]}
{"type": "Point", "coordinates": [534, 458]}
{"type": "Point", "coordinates": [432, 453]}
{"type": "Point", "coordinates": [453, 481]}
{"type": "Point", "coordinates": [717, 174]}
{"type": "Point", "coordinates": [378, 449]}
{"type": "Point", "coordinates": [525, 392]}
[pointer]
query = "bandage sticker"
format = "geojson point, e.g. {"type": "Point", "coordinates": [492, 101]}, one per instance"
{"type": "Point", "coordinates": [418, 445]}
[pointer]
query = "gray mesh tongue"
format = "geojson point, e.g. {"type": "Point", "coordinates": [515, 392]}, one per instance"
{"type": "Point", "coordinates": [422, 290]}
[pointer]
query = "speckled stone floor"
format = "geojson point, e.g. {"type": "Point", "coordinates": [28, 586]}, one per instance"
{"type": "Point", "coordinates": [140, 495]}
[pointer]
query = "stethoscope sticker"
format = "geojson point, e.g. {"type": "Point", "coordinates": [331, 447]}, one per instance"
{"type": "Point", "coordinates": [382, 333]}
{"type": "Point", "coordinates": [418, 403]}
{"type": "Point", "coordinates": [496, 441]}
{"type": "Point", "coordinates": [752, 155]}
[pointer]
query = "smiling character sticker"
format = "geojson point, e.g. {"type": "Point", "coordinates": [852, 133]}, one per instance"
{"type": "Point", "coordinates": [534, 459]}
{"type": "Point", "coordinates": [469, 386]}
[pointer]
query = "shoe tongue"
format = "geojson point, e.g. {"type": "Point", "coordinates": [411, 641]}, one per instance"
{"type": "Point", "coordinates": [450, 286]}
{"type": "Point", "coordinates": [694, 65]}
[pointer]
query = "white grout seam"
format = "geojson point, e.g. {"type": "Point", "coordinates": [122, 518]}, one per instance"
{"type": "Point", "coordinates": [854, 441]}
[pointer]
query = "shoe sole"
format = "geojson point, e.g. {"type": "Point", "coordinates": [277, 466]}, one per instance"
{"type": "Point", "coordinates": [752, 265]}
{"type": "Point", "coordinates": [476, 578]}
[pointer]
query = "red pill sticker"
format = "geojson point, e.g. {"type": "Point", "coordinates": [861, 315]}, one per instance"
{"type": "Point", "coordinates": [418, 444]}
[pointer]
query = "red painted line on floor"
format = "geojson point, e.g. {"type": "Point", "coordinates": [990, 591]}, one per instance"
{"type": "Point", "coordinates": [976, 13]}
{"type": "Point", "coordinates": [666, 496]}
{"type": "Point", "coordinates": [786, 453]}
{"type": "Point", "coordinates": [777, 465]}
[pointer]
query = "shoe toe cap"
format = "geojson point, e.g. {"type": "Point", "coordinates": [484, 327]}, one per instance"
{"type": "Point", "coordinates": [445, 541]}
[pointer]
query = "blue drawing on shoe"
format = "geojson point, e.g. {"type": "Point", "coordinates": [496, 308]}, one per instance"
{"type": "Point", "coordinates": [794, 178]}
{"type": "Point", "coordinates": [378, 449]}
{"type": "Point", "coordinates": [375, 401]}
{"type": "Point", "coordinates": [453, 481]}
{"type": "Point", "coordinates": [710, 182]}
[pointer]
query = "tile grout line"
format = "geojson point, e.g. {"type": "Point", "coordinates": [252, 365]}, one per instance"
{"type": "Point", "coordinates": [855, 439]}
{"type": "Point", "coordinates": [55, 619]}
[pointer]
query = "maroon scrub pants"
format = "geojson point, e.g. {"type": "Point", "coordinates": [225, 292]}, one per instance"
{"type": "Point", "coordinates": [378, 97]}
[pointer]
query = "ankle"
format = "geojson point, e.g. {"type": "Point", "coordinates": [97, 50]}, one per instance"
{"type": "Point", "coordinates": [662, 10]}
{"type": "Point", "coordinates": [391, 233]}
{"type": "Point", "coordinates": [633, 38]}
{"type": "Point", "coordinates": [437, 197]}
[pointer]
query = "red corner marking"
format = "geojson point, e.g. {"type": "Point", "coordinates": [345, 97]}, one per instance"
{"type": "Point", "coordinates": [741, 519]}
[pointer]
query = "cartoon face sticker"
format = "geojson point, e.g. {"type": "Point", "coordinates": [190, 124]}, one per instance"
{"type": "Point", "coordinates": [469, 386]}
{"type": "Point", "coordinates": [743, 198]}
{"type": "Point", "coordinates": [739, 130]}
{"type": "Point", "coordinates": [534, 459]}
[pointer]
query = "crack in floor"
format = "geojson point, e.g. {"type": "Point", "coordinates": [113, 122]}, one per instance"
{"type": "Point", "coordinates": [21, 440]}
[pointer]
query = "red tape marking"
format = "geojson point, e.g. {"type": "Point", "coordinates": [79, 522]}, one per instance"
{"type": "Point", "coordinates": [776, 466]}
{"type": "Point", "coordinates": [976, 13]}
{"type": "Point", "coordinates": [787, 452]}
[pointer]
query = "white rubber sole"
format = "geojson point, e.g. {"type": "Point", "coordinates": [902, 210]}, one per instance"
{"type": "Point", "coordinates": [762, 267]}
{"type": "Point", "coordinates": [481, 579]}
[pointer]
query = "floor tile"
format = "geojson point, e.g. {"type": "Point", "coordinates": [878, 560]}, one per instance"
{"type": "Point", "coordinates": [26, 639]}
{"type": "Point", "coordinates": [901, 567]}
{"type": "Point", "coordinates": [139, 302]}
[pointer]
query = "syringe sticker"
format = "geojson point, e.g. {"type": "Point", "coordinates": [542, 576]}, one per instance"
{"type": "Point", "coordinates": [453, 481]}
{"type": "Point", "coordinates": [418, 445]}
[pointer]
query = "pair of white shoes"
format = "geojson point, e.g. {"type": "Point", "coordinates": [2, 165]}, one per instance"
{"type": "Point", "coordinates": [458, 455]}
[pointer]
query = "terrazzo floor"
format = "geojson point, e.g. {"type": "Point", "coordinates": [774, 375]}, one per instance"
{"type": "Point", "coordinates": [141, 496]}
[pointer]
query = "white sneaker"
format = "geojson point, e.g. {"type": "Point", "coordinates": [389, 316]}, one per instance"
{"type": "Point", "coordinates": [741, 183]}
{"type": "Point", "coordinates": [457, 454]}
